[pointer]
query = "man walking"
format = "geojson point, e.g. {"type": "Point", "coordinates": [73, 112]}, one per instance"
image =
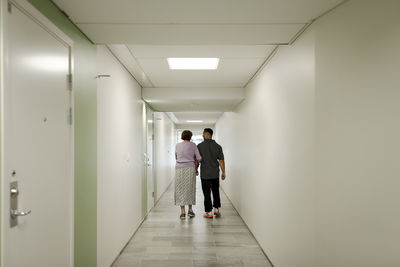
{"type": "Point", "coordinates": [212, 160]}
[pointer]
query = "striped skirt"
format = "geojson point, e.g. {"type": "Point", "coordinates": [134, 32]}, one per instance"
{"type": "Point", "coordinates": [185, 186]}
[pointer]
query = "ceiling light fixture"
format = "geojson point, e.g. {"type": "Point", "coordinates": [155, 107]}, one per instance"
{"type": "Point", "coordinates": [194, 121]}
{"type": "Point", "coordinates": [193, 63]}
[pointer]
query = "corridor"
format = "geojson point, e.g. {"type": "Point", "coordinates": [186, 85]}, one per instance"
{"type": "Point", "coordinates": [164, 240]}
{"type": "Point", "coordinates": [295, 102]}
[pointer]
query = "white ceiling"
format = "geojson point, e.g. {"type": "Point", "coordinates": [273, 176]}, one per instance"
{"type": "Point", "coordinates": [242, 33]}
{"type": "Point", "coordinates": [237, 64]}
{"type": "Point", "coordinates": [207, 118]}
{"type": "Point", "coordinates": [237, 51]}
{"type": "Point", "coordinates": [150, 67]}
{"type": "Point", "coordinates": [191, 34]}
{"type": "Point", "coordinates": [193, 99]}
{"type": "Point", "coordinates": [186, 11]}
{"type": "Point", "coordinates": [194, 105]}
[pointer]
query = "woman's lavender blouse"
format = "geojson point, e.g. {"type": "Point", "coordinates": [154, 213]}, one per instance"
{"type": "Point", "coordinates": [185, 153]}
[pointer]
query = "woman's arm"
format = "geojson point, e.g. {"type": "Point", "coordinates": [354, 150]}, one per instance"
{"type": "Point", "coordinates": [197, 155]}
{"type": "Point", "coordinates": [197, 159]}
{"type": "Point", "coordinates": [196, 163]}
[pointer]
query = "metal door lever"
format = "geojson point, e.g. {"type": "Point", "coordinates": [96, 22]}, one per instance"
{"type": "Point", "coordinates": [14, 192]}
{"type": "Point", "coordinates": [16, 213]}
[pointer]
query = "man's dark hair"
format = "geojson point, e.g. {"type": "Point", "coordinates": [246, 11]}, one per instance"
{"type": "Point", "coordinates": [208, 130]}
{"type": "Point", "coordinates": [187, 135]}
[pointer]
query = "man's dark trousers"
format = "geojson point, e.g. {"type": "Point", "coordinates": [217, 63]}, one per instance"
{"type": "Point", "coordinates": [208, 186]}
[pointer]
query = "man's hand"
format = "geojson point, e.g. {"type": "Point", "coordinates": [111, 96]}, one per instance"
{"type": "Point", "coordinates": [222, 166]}
{"type": "Point", "coordinates": [197, 173]}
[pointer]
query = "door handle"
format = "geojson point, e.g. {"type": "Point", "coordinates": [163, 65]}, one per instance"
{"type": "Point", "coordinates": [14, 192]}
{"type": "Point", "coordinates": [16, 213]}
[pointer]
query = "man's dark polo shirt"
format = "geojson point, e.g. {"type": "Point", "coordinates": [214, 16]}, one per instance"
{"type": "Point", "coordinates": [210, 153]}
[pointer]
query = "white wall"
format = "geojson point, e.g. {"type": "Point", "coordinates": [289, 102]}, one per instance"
{"type": "Point", "coordinates": [164, 152]}
{"type": "Point", "coordinates": [268, 142]}
{"type": "Point", "coordinates": [312, 153]}
{"type": "Point", "coordinates": [358, 128]}
{"type": "Point", "coordinates": [120, 162]}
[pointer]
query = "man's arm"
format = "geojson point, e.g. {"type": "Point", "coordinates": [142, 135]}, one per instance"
{"type": "Point", "coordinates": [222, 166]}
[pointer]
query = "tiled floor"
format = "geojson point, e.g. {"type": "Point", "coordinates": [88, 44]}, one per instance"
{"type": "Point", "coordinates": [164, 240]}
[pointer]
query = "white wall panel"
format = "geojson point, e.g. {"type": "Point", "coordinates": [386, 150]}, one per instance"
{"type": "Point", "coordinates": [268, 144]}
{"type": "Point", "coordinates": [164, 152]}
{"type": "Point", "coordinates": [358, 129]}
{"type": "Point", "coordinates": [120, 162]}
{"type": "Point", "coordinates": [312, 155]}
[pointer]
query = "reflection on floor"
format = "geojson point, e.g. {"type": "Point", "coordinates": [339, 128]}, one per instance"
{"type": "Point", "coordinates": [164, 240]}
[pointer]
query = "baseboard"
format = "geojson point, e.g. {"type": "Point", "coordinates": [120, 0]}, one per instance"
{"type": "Point", "coordinates": [265, 254]}
{"type": "Point", "coordinates": [145, 217]}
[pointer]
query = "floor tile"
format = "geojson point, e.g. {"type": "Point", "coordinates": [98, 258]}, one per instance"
{"type": "Point", "coordinates": [165, 240]}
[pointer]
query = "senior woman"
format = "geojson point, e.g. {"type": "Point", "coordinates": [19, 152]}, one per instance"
{"type": "Point", "coordinates": [187, 159]}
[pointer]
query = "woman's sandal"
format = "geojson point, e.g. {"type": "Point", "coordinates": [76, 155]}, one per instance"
{"type": "Point", "coordinates": [191, 214]}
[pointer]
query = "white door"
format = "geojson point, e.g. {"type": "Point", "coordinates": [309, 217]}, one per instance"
{"type": "Point", "coordinates": [37, 146]}
{"type": "Point", "coordinates": [150, 140]}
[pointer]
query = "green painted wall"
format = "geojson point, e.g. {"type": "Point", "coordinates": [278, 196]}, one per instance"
{"type": "Point", "coordinates": [85, 85]}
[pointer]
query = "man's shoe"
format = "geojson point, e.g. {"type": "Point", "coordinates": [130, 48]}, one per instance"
{"type": "Point", "coordinates": [208, 215]}
{"type": "Point", "coordinates": [183, 216]}
{"type": "Point", "coordinates": [217, 213]}
{"type": "Point", "coordinates": [191, 214]}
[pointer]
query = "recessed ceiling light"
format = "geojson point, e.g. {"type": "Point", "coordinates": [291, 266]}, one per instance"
{"type": "Point", "coordinates": [193, 63]}
{"type": "Point", "coordinates": [193, 121]}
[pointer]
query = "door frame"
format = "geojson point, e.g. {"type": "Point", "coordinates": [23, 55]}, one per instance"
{"type": "Point", "coordinates": [149, 109]}
{"type": "Point", "coordinates": [145, 203]}
{"type": "Point", "coordinates": [25, 7]}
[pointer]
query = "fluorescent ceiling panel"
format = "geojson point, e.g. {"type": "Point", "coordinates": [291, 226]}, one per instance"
{"type": "Point", "coordinates": [194, 121]}
{"type": "Point", "coordinates": [193, 63]}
